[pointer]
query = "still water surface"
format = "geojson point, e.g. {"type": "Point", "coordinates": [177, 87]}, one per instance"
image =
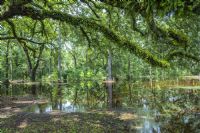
{"type": "Point", "coordinates": [158, 110]}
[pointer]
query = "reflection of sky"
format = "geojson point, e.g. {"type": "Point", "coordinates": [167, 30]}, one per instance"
{"type": "Point", "coordinates": [68, 107]}
{"type": "Point", "coordinates": [172, 99]}
{"type": "Point", "coordinates": [36, 110]}
{"type": "Point", "coordinates": [47, 108]}
{"type": "Point", "coordinates": [148, 124]}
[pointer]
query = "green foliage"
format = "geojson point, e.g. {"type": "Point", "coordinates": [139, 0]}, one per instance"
{"type": "Point", "coordinates": [149, 33]}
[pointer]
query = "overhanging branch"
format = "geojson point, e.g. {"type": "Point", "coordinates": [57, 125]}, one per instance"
{"type": "Point", "coordinates": [116, 38]}
{"type": "Point", "coordinates": [178, 53]}
{"type": "Point", "coordinates": [21, 38]}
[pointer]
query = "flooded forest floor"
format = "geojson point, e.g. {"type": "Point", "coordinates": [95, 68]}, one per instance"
{"type": "Point", "coordinates": [13, 119]}
{"type": "Point", "coordinates": [170, 109]}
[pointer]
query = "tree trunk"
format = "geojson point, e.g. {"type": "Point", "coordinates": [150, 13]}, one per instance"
{"type": "Point", "coordinates": [75, 62]}
{"type": "Point", "coordinates": [129, 69]}
{"type": "Point", "coordinates": [33, 76]}
{"type": "Point", "coordinates": [7, 64]}
{"type": "Point", "coordinates": [50, 62]}
{"type": "Point", "coordinates": [59, 57]}
{"type": "Point", "coordinates": [60, 97]}
{"type": "Point", "coordinates": [109, 65]}
{"type": "Point", "coordinates": [6, 82]}
{"type": "Point", "coordinates": [109, 84]}
{"type": "Point", "coordinates": [33, 89]}
{"type": "Point", "coordinates": [11, 66]}
{"type": "Point", "coordinates": [150, 77]}
{"type": "Point", "coordinates": [76, 96]}
{"type": "Point", "coordinates": [129, 78]}
{"type": "Point", "coordinates": [33, 68]}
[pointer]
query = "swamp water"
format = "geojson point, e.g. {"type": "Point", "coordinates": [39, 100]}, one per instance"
{"type": "Point", "coordinates": [153, 110]}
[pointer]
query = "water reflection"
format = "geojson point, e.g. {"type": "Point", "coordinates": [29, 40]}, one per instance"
{"type": "Point", "coordinates": [48, 108]}
{"type": "Point", "coordinates": [164, 110]}
{"type": "Point", "coordinates": [148, 122]}
{"type": "Point", "coordinates": [110, 95]}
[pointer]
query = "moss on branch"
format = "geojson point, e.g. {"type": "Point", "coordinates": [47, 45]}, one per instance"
{"type": "Point", "coordinates": [178, 53]}
{"type": "Point", "coordinates": [109, 34]}
{"type": "Point", "coordinates": [90, 24]}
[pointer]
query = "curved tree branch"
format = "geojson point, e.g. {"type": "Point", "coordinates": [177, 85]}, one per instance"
{"type": "Point", "coordinates": [179, 53]}
{"type": "Point", "coordinates": [86, 35]}
{"type": "Point", "coordinates": [135, 7]}
{"type": "Point", "coordinates": [88, 23]}
{"type": "Point", "coordinates": [94, 12]}
{"type": "Point", "coordinates": [22, 39]}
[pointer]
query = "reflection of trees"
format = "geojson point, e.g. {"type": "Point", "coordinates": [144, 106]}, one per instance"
{"type": "Point", "coordinates": [110, 95]}
{"type": "Point", "coordinates": [75, 96]}
{"type": "Point", "coordinates": [186, 121]}
{"type": "Point", "coordinates": [33, 89]}
{"type": "Point", "coordinates": [178, 109]}
{"type": "Point", "coordinates": [91, 94]}
{"type": "Point", "coordinates": [42, 108]}
{"type": "Point", "coordinates": [57, 97]}
{"type": "Point", "coordinates": [60, 95]}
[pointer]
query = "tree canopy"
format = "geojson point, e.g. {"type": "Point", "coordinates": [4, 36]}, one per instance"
{"type": "Point", "coordinates": [145, 28]}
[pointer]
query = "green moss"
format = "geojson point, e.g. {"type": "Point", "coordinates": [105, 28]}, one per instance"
{"type": "Point", "coordinates": [178, 37]}
{"type": "Point", "coordinates": [178, 53]}
{"type": "Point", "coordinates": [108, 33]}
